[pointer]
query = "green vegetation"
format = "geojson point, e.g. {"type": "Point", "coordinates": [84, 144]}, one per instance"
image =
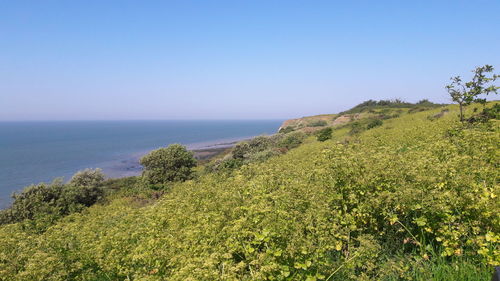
{"type": "Point", "coordinates": [324, 134]}
{"type": "Point", "coordinates": [257, 149]}
{"type": "Point", "coordinates": [374, 123]}
{"type": "Point", "coordinates": [42, 205]}
{"type": "Point", "coordinates": [173, 163]}
{"type": "Point", "coordinates": [466, 93]}
{"type": "Point", "coordinates": [286, 130]}
{"type": "Point", "coordinates": [87, 178]}
{"type": "Point", "coordinates": [292, 140]}
{"type": "Point", "coordinates": [363, 113]}
{"type": "Point", "coordinates": [308, 124]}
{"type": "Point", "coordinates": [371, 105]}
{"type": "Point", "coordinates": [318, 123]}
{"type": "Point", "coordinates": [412, 197]}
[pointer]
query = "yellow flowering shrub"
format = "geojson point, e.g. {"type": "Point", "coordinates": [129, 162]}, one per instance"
{"type": "Point", "coordinates": [389, 200]}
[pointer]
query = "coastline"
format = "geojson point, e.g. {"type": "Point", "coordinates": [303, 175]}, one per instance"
{"type": "Point", "coordinates": [203, 151]}
{"type": "Point", "coordinates": [127, 164]}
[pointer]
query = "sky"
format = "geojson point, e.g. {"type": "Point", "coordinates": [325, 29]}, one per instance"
{"type": "Point", "coordinates": [130, 60]}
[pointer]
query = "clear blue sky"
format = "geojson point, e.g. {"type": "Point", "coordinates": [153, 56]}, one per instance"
{"type": "Point", "coordinates": [62, 60]}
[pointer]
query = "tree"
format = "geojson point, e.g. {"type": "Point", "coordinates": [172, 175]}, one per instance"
{"type": "Point", "coordinates": [173, 163]}
{"type": "Point", "coordinates": [466, 93]}
{"type": "Point", "coordinates": [49, 202]}
{"type": "Point", "coordinates": [325, 134]}
{"type": "Point", "coordinates": [87, 178]}
{"type": "Point", "coordinates": [374, 123]}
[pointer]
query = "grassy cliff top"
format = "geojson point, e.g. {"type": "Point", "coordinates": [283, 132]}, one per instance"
{"type": "Point", "coordinates": [383, 109]}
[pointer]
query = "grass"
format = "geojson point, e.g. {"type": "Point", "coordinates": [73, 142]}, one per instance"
{"type": "Point", "coordinates": [443, 270]}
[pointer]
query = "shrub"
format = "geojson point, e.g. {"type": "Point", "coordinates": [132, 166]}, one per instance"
{"type": "Point", "coordinates": [317, 123]}
{"type": "Point", "coordinates": [324, 134]}
{"type": "Point", "coordinates": [48, 202]}
{"type": "Point", "coordinates": [292, 140]}
{"type": "Point", "coordinates": [286, 130]}
{"type": "Point", "coordinates": [356, 128]}
{"type": "Point", "coordinates": [425, 102]}
{"type": "Point", "coordinates": [385, 117]}
{"type": "Point", "coordinates": [259, 143]}
{"type": "Point", "coordinates": [88, 178]}
{"type": "Point", "coordinates": [374, 123]}
{"type": "Point", "coordinates": [230, 164]}
{"type": "Point", "coordinates": [173, 163]}
{"type": "Point", "coordinates": [486, 114]}
{"type": "Point", "coordinates": [240, 150]}
{"type": "Point", "coordinates": [257, 149]}
{"type": "Point", "coordinates": [418, 109]}
{"type": "Point", "coordinates": [371, 105]}
{"type": "Point", "coordinates": [244, 149]}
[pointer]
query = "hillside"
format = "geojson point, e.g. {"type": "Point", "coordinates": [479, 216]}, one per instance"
{"type": "Point", "coordinates": [384, 109]}
{"type": "Point", "coordinates": [413, 198]}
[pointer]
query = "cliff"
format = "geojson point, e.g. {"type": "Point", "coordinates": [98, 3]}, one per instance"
{"type": "Point", "coordinates": [317, 122]}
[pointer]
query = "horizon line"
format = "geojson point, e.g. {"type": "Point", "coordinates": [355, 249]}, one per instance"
{"type": "Point", "coordinates": [101, 120]}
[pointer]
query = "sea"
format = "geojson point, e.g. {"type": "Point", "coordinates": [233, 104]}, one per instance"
{"type": "Point", "coordinates": [40, 151]}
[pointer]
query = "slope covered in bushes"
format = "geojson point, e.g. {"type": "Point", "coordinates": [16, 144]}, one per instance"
{"type": "Point", "coordinates": [370, 109]}
{"type": "Point", "coordinates": [415, 198]}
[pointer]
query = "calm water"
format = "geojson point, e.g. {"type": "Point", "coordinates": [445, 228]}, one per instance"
{"type": "Point", "coordinates": [32, 152]}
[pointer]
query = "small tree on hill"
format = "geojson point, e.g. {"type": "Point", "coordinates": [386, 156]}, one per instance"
{"type": "Point", "coordinates": [374, 123]}
{"type": "Point", "coordinates": [466, 93]}
{"type": "Point", "coordinates": [324, 134]}
{"type": "Point", "coordinates": [87, 178]}
{"type": "Point", "coordinates": [173, 163]}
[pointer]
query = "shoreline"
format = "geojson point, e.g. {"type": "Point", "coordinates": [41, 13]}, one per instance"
{"type": "Point", "coordinates": [38, 152]}
{"type": "Point", "coordinates": [127, 165]}
{"type": "Point", "coordinates": [203, 152]}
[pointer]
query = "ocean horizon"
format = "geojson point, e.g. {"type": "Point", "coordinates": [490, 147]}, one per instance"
{"type": "Point", "coordinates": [40, 151]}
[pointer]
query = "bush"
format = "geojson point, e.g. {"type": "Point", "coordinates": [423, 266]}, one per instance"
{"type": "Point", "coordinates": [292, 140]}
{"type": "Point", "coordinates": [240, 150]}
{"type": "Point", "coordinates": [230, 164]}
{"type": "Point", "coordinates": [257, 149]}
{"type": "Point", "coordinates": [286, 130]}
{"type": "Point", "coordinates": [173, 163]}
{"type": "Point", "coordinates": [356, 128]}
{"type": "Point", "coordinates": [49, 202]}
{"type": "Point", "coordinates": [243, 150]}
{"type": "Point", "coordinates": [259, 143]}
{"type": "Point", "coordinates": [418, 109]}
{"type": "Point", "coordinates": [371, 105]}
{"type": "Point", "coordinates": [488, 113]}
{"type": "Point", "coordinates": [324, 134]}
{"type": "Point", "coordinates": [425, 102]}
{"type": "Point", "coordinates": [374, 123]}
{"type": "Point", "coordinates": [318, 123]}
{"type": "Point", "coordinates": [385, 116]}
{"type": "Point", "coordinates": [87, 178]}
